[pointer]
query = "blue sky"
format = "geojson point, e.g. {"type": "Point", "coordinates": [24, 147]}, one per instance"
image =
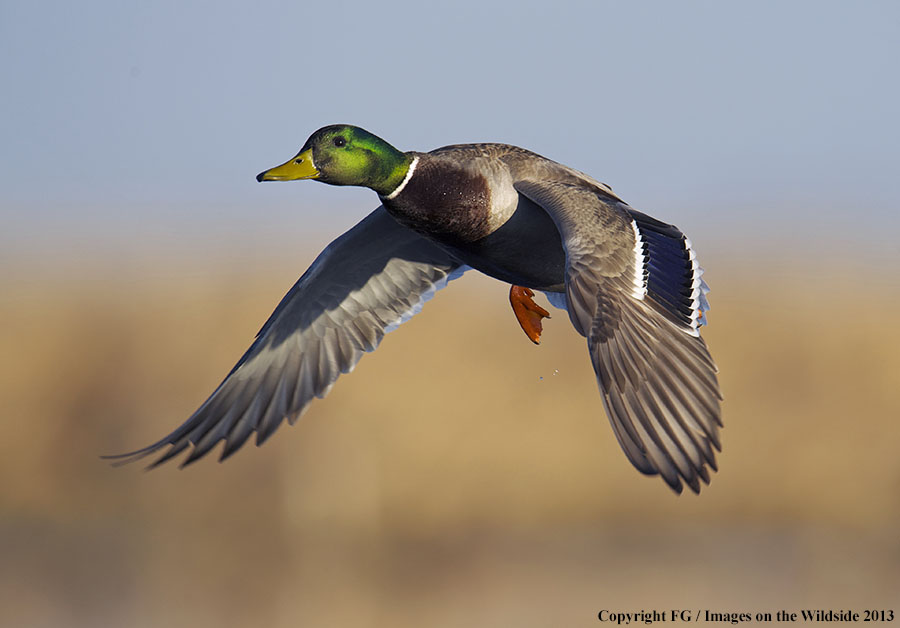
{"type": "Point", "coordinates": [749, 125]}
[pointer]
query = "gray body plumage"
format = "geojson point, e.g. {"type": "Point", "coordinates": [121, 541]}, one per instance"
{"type": "Point", "coordinates": [630, 284]}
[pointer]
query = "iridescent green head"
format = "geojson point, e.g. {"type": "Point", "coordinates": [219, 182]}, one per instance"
{"type": "Point", "coordinates": [342, 154]}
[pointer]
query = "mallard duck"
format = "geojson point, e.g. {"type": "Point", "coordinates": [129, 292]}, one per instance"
{"type": "Point", "coordinates": [630, 283]}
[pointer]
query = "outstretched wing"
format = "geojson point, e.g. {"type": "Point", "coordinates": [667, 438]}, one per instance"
{"type": "Point", "coordinates": [633, 289]}
{"type": "Point", "coordinates": [363, 285]}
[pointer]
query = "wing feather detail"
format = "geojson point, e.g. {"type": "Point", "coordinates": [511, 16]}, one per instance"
{"type": "Point", "coordinates": [656, 376]}
{"type": "Point", "coordinates": [362, 286]}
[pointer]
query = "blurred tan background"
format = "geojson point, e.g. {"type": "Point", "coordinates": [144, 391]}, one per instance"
{"type": "Point", "coordinates": [460, 476]}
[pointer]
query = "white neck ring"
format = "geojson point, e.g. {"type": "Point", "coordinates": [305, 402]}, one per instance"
{"type": "Point", "coordinates": [409, 174]}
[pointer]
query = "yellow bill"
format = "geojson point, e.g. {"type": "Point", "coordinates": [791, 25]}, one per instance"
{"type": "Point", "coordinates": [300, 167]}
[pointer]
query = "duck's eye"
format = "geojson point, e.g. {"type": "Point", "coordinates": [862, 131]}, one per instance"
{"type": "Point", "coordinates": [339, 141]}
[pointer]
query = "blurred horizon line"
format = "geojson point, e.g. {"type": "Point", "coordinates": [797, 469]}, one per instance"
{"type": "Point", "coordinates": [281, 234]}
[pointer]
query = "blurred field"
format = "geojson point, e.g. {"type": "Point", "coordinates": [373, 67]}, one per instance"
{"type": "Point", "coordinates": [460, 476]}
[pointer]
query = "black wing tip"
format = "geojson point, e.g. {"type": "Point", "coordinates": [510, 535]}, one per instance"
{"type": "Point", "coordinates": [232, 448]}
{"type": "Point", "coordinates": [696, 482]}
{"type": "Point", "coordinates": [693, 483]}
{"type": "Point", "coordinates": [191, 459]}
{"type": "Point", "coordinates": [695, 478]}
{"type": "Point", "coordinates": [703, 472]}
{"type": "Point", "coordinates": [120, 460]}
{"type": "Point", "coordinates": [195, 454]}
{"type": "Point", "coordinates": [175, 447]}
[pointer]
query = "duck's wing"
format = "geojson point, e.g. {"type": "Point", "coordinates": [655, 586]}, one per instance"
{"type": "Point", "coordinates": [633, 289]}
{"type": "Point", "coordinates": [363, 285]}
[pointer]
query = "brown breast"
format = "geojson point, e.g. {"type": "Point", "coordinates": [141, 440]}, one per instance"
{"type": "Point", "coordinates": [445, 201]}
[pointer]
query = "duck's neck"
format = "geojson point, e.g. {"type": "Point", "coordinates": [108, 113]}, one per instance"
{"type": "Point", "coordinates": [403, 169]}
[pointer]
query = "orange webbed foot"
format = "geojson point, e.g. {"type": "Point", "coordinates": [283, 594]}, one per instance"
{"type": "Point", "coordinates": [528, 313]}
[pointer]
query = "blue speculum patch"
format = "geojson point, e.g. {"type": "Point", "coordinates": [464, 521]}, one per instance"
{"type": "Point", "coordinates": [669, 271]}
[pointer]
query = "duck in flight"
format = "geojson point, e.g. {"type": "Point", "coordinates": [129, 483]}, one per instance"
{"type": "Point", "coordinates": [631, 286]}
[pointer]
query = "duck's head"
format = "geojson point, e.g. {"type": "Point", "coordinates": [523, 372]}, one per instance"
{"type": "Point", "coordinates": [342, 154]}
